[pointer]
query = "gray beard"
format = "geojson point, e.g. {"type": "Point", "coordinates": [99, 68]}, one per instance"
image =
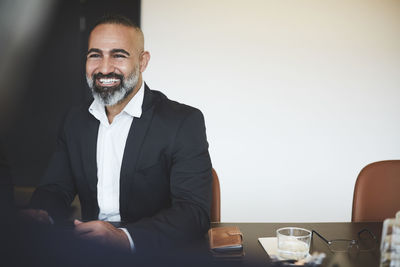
{"type": "Point", "coordinates": [114, 97]}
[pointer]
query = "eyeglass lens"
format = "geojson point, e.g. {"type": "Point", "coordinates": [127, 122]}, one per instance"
{"type": "Point", "coordinates": [366, 242]}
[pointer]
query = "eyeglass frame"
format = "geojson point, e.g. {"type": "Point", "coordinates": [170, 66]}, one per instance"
{"type": "Point", "coordinates": [351, 242]}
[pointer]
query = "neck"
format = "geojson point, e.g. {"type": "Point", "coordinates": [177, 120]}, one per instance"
{"type": "Point", "coordinates": [114, 110]}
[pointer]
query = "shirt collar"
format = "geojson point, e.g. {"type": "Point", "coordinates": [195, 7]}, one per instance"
{"type": "Point", "coordinates": [133, 108]}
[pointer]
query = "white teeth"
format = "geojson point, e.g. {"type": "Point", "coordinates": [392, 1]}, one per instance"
{"type": "Point", "coordinates": [108, 81]}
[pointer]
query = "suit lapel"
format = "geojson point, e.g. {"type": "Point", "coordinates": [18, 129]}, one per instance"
{"type": "Point", "coordinates": [134, 142]}
{"type": "Point", "coordinates": [89, 144]}
{"type": "Point", "coordinates": [136, 136]}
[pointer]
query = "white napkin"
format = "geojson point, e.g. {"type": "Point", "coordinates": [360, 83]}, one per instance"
{"type": "Point", "coordinates": [270, 245]}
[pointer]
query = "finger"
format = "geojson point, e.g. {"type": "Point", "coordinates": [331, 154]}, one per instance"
{"type": "Point", "coordinates": [43, 216]}
{"type": "Point", "coordinates": [82, 228]}
{"type": "Point", "coordinates": [36, 215]}
{"type": "Point", "coordinates": [87, 235]}
{"type": "Point", "coordinates": [77, 222]}
{"type": "Point", "coordinates": [79, 232]}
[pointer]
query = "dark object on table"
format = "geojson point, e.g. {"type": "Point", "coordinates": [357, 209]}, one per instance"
{"type": "Point", "coordinates": [226, 242]}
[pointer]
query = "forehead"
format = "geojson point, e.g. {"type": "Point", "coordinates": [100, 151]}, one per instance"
{"type": "Point", "coordinates": [111, 36]}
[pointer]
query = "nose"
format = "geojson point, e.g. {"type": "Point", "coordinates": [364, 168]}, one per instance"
{"type": "Point", "coordinates": [106, 66]}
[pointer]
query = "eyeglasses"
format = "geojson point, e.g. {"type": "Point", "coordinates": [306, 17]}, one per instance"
{"type": "Point", "coordinates": [366, 242]}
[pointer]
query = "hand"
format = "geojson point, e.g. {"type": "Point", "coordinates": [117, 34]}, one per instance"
{"type": "Point", "coordinates": [35, 215]}
{"type": "Point", "coordinates": [103, 232]}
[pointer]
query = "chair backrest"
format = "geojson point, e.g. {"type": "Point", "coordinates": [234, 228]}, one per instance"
{"type": "Point", "coordinates": [377, 192]}
{"type": "Point", "coordinates": [216, 199]}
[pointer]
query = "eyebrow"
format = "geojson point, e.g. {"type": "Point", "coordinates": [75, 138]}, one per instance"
{"type": "Point", "coordinates": [119, 50]}
{"type": "Point", "coordinates": [94, 50]}
{"type": "Point", "coordinates": [113, 51]}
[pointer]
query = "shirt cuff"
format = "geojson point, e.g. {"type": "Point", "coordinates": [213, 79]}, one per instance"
{"type": "Point", "coordinates": [129, 238]}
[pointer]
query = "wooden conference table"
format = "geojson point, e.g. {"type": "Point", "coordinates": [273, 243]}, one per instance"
{"type": "Point", "coordinates": [254, 252]}
{"type": "Point", "coordinates": [62, 243]}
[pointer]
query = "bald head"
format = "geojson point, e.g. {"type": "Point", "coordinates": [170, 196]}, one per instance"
{"type": "Point", "coordinates": [138, 37]}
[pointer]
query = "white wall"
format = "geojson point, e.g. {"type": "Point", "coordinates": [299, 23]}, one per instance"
{"type": "Point", "coordinates": [298, 96]}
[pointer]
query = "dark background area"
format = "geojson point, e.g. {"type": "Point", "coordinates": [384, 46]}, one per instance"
{"type": "Point", "coordinates": [55, 82]}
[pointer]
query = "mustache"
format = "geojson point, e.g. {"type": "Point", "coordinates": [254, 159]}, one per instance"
{"type": "Point", "coordinates": [107, 76]}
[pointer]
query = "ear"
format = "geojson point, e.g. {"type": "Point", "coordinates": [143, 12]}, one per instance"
{"type": "Point", "coordinates": [144, 60]}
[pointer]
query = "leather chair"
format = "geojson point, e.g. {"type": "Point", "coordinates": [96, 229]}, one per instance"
{"type": "Point", "coordinates": [216, 199]}
{"type": "Point", "coordinates": [377, 192]}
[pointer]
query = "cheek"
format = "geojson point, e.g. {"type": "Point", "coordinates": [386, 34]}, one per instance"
{"type": "Point", "coordinates": [123, 67]}
{"type": "Point", "coordinates": [90, 67]}
{"type": "Point", "coordinates": [127, 67]}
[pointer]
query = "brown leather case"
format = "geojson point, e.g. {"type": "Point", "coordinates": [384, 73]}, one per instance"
{"type": "Point", "coordinates": [225, 238]}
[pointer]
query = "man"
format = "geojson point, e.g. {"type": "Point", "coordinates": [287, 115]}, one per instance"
{"type": "Point", "coordinates": [132, 156]}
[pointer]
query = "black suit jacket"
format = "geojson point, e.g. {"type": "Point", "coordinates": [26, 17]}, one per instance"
{"type": "Point", "coordinates": [165, 180]}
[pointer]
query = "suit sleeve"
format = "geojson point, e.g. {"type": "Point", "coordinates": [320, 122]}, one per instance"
{"type": "Point", "coordinates": [56, 190]}
{"type": "Point", "coordinates": [188, 218]}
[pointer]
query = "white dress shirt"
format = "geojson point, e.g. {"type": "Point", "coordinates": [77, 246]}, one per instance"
{"type": "Point", "coordinates": [111, 142]}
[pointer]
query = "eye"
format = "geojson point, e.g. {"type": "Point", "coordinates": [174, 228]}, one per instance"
{"type": "Point", "coordinates": [119, 56]}
{"type": "Point", "coordinates": [93, 56]}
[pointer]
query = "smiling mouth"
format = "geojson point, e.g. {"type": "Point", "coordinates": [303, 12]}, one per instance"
{"type": "Point", "coordinates": [105, 82]}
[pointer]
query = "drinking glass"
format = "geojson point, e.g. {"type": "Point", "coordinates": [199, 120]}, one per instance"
{"type": "Point", "coordinates": [293, 243]}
